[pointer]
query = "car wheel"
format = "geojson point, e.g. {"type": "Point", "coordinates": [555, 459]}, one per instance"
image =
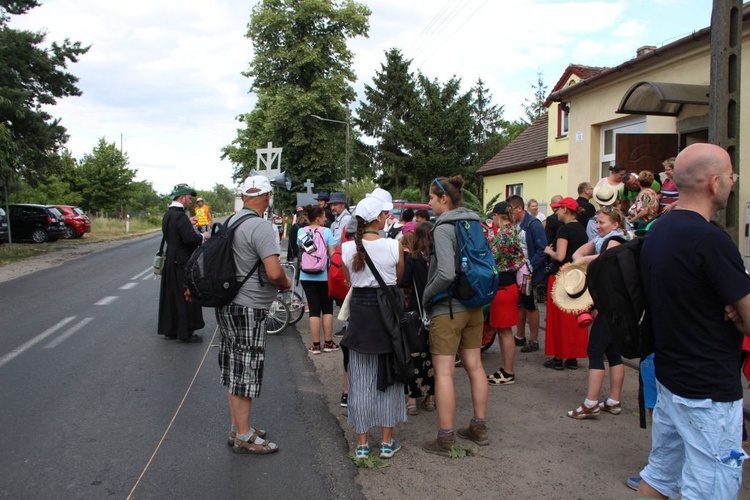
{"type": "Point", "coordinates": [68, 232]}
{"type": "Point", "coordinates": [79, 235]}
{"type": "Point", "coordinates": [39, 236]}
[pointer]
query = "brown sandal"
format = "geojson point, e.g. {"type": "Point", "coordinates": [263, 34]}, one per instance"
{"type": "Point", "coordinates": [428, 405]}
{"type": "Point", "coordinates": [411, 409]}
{"type": "Point", "coordinates": [233, 434]}
{"type": "Point", "coordinates": [250, 447]}
{"type": "Point", "coordinates": [584, 412]}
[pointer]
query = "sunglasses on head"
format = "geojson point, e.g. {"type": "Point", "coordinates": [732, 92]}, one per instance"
{"type": "Point", "coordinates": [440, 186]}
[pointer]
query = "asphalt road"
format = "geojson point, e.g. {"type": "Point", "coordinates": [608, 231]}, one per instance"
{"type": "Point", "coordinates": [94, 404]}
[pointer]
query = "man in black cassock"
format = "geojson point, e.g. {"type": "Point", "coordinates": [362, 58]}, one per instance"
{"type": "Point", "coordinates": [178, 318]}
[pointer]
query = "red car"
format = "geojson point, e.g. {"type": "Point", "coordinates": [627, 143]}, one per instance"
{"type": "Point", "coordinates": [76, 221]}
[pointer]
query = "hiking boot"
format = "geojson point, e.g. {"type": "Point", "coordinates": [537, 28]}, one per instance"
{"type": "Point", "coordinates": [614, 409]}
{"type": "Point", "coordinates": [520, 342]}
{"type": "Point", "coordinates": [571, 364]}
{"type": "Point", "coordinates": [476, 433]}
{"type": "Point", "coordinates": [441, 446]}
{"type": "Point", "coordinates": [532, 346]}
{"type": "Point", "coordinates": [387, 450]}
{"type": "Point", "coordinates": [584, 412]}
{"type": "Point", "coordinates": [501, 377]}
{"type": "Point", "coordinates": [330, 346]}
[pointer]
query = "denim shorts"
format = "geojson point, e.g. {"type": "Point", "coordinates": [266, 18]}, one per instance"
{"type": "Point", "coordinates": [691, 440]}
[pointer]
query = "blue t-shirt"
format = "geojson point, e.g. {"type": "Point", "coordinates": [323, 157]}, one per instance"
{"type": "Point", "coordinates": [690, 270]}
{"type": "Point", "coordinates": [328, 237]}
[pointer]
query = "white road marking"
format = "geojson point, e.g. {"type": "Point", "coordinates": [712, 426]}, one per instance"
{"type": "Point", "coordinates": [70, 331]}
{"type": "Point", "coordinates": [106, 300]}
{"type": "Point", "coordinates": [128, 286]}
{"type": "Point", "coordinates": [30, 343]}
{"type": "Point", "coordinates": [143, 274]}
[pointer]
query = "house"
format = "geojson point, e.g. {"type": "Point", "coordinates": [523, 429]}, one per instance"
{"type": "Point", "coordinates": [535, 164]}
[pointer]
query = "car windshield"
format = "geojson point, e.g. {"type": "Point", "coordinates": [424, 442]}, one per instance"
{"type": "Point", "coordinates": [2, 212]}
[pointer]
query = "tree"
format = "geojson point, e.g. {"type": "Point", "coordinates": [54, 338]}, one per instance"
{"type": "Point", "coordinates": [385, 116]}
{"type": "Point", "coordinates": [32, 78]}
{"type": "Point", "coordinates": [301, 67]}
{"type": "Point", "coordinates": [535, 108]}
{"type": "Point", "coordinates": [488, 127]}
{"type": "Point", "coordinates": [104, 180]}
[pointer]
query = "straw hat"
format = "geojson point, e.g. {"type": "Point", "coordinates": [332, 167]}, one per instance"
{"type": "Point", "coordinates": [604, 195]}
{"type": "Point", "coordinates": [569, 292]}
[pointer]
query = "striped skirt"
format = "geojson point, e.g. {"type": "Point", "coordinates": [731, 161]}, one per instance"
{"type": "Point", "coordinates": [369, 407]}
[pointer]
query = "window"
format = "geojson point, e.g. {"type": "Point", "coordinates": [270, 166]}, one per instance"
{"type": "Point", "coordinates": [562, 117]}
{"type": "Point", "coordinates": [608, 140]}
{"type": "Point", "coordinates": [514, 189]}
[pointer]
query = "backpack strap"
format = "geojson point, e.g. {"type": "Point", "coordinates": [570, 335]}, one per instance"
{"type": "Point", "coordinates": [457, 264]}
{"type": "Point", "coordinates": [618, 239]}
{"type": "Point", "coordinates": [234, 225]}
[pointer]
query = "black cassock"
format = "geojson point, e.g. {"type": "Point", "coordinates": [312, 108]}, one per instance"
{"type": "Point", "coordinates": [177, 317]}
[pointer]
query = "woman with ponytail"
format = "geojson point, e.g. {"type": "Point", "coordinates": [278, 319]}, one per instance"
{"type": "Point", "coordinates": [376, 399]}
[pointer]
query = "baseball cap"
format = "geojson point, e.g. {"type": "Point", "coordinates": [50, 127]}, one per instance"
{"type": "Point", "coordinates": [369, 209]}
{"type": "Point", "coordinates": [384, 196]}
{"type": "Point", "coordinates": [568, 203]}
{"type": "Point", "coordinates": [256, 185]}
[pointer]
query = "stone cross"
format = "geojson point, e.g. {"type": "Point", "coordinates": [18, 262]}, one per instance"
{"type": "Point", "coordinates": [309, 185]}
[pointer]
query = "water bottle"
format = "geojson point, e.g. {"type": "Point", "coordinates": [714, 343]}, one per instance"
{"type": "Point", "coordinates": [464, 265]}
{"type": "Point", "coordinates": [735, 458]}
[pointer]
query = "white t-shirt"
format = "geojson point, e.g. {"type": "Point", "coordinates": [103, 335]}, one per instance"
{"type": "Point", "coordinates": [604, 181]}
{"type": "Point", "coordinates": [384, 254]}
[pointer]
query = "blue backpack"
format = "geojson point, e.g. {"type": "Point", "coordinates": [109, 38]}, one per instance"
{"type": "Point", "coordinates": [477, 277]}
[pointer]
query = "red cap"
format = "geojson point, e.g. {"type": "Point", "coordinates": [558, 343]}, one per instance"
{"type": "Point", "coordinates": [568, 203]}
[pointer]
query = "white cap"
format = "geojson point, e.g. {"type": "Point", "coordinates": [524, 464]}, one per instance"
{"type": "Point", "coordinates": [369, 209]}
{"type": "Point", "coordinates": [256, 185]}
{"type": "Point", "coordinates": [384, 196]}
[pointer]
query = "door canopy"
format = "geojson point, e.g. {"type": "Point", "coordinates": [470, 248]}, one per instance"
{"type": "Point", "coordinates": [662, 99]}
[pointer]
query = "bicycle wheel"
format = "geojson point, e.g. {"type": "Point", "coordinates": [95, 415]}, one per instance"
{"type": "Point", "coordinates": [278, 317]}
{"type": "Point", "coordinates": [296, 306]}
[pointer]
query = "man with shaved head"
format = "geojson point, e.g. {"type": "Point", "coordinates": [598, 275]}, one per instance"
{"type": "Point", "coordinates": [699, 295]}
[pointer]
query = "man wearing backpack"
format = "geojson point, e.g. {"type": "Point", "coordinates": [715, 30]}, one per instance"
{"type": "Point", "coordinates": [242, 323]}
{"type": "Point", "coordinates": [698, 292]}
{"type": "Point", "coordinates": [536, 242]}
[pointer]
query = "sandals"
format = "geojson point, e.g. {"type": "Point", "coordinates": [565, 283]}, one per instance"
{"type": "Point", "coordinates": [584, 412]}
{"type": "Point", "coordinates": [251, 447]}
{"type": "Point", "coordinates": [411, 409]}
{"type": "Point", "coordinates": [428, 405]}
{"type": "Point", "coordinates": [233, 434]}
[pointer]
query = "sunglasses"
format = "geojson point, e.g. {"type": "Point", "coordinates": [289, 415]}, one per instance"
{"type": "Point", "coordinates": [440, 186]}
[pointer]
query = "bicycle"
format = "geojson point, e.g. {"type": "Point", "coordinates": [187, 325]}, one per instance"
{"type": "Point", "coordinates": [293, 297]}
{"type": "Point", "coordinates": [287, 308]}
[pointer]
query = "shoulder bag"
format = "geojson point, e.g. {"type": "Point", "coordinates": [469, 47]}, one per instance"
{"type": "Point", "coordinates": [159, 259]}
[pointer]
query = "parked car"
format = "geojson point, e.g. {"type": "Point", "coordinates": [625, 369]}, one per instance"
{"type": "Point", "coordinates": [77, 223]}
{"type": "Point", "coordinates": [38, 223]}
{"type": "Point", "coordinates": [3, 226]}
{"type": "Point", "coordinates": [400, 205]}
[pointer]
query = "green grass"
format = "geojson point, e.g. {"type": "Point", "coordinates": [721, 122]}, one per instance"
{"type": "Point", "coordinates": [371, 462]}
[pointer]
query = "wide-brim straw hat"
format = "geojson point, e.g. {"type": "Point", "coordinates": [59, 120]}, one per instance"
{"type": "Point", "coordinates": [569, 292]}
{"type": "Point", "coordinates": [604, 195]}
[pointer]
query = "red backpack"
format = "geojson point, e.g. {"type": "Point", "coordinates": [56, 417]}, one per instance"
{"type": "Point", "coordinates": [337, 288]}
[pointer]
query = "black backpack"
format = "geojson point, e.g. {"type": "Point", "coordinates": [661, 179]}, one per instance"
{"type": "Point", "coordinates": [210, 272]}
{"type": "Point", "coordinates": [614, 281]}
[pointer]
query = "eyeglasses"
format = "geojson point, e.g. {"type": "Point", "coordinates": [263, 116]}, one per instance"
{"type": "Point", "coordinates": [734, 177]}
{"type": "Point", "coordinates": [440, 186]}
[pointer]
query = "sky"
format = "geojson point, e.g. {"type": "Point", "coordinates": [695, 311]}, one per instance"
{"type": "Point", "coordinates": [163, 77]}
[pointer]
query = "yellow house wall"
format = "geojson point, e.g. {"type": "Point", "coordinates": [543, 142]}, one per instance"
{"type": "Point", "coordinates": [534, 184]}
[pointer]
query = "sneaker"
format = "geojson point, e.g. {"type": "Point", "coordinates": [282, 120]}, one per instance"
{"type": "Point", "coordinates": [571, 364]}
{"type": "Point", "coordinates": [344, 400]}
{"type": "Point", "coordinates": [554, 363]}
{"type": "Point", "coordinates": [532, 346]}
{"type": "Point", "coordinates": [340, 333]}
{"type": "Point", "coordinates": [501, 377]}
{"type": "Point", "coordinates": [614, 409]}
{"type": "Point", "coordinates": [441, 446]}
{"type": "Point", "coordinates": [331, 346]}
{"type": "Point", "coordinates": [476, 433]}
{"type": "Point", "coordinates": [387, 450]}
{"type": "Point", "coordinates": [362, 451]}
{"type": "Point", "coordinates": [520, 342]}
{"type": "Point", "coordinates": [315, 348]}
{"type": "Point", "coordinates": [584, 412]}
{"type": "Point", "coordinates": [633, 483]}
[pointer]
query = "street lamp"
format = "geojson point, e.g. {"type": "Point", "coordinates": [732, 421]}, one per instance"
{"type": "Point", "coordinates": [347, 123]}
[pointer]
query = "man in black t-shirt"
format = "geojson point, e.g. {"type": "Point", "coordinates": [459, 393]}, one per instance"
{"type": "Point", "coordinates": [699, 294]}
{"type": "Point", "coordinates": [585, 192]}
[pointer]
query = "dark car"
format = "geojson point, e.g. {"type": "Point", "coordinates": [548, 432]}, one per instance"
{"type": "Point", "coordinates": [77, 223]}
{"type": "Point", "coordinates": [3, 226]}
{"type": "Point", "coordinates": [38, 223]}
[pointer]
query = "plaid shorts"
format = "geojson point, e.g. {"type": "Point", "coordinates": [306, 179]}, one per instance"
{"type": "Point", "coordinates": [242, 350]}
